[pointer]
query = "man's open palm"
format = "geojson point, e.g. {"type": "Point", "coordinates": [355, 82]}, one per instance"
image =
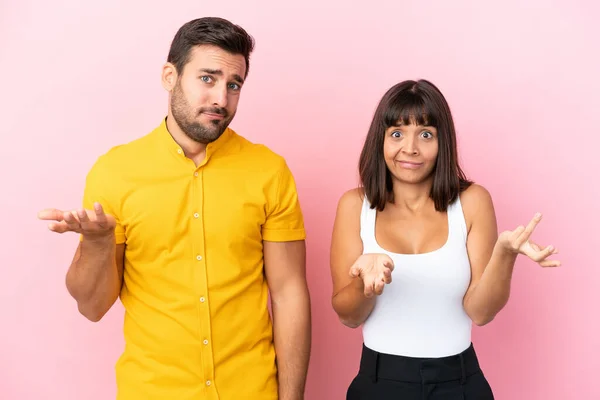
{"type": "Point", "coordinates": [89, 223]}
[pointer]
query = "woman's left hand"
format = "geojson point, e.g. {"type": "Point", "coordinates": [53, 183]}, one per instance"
{"type": "Point", "coordinates": [517, 242]}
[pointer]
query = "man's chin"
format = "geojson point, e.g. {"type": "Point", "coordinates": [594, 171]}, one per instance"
{"type": "Point", "coordinates": [206, 138]}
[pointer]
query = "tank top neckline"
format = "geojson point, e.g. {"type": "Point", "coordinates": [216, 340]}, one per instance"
{"type": "Point", "coordinates": [372, 213]}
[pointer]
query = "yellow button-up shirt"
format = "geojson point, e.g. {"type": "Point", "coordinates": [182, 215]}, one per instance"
{"type": "Point", "coordinates": [196, 323]}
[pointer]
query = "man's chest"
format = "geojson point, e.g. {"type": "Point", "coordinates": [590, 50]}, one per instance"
{"type": "Point", "coordinates": [226, 210]}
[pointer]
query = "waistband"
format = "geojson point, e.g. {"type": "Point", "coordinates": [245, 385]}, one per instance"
{"type": "Point", "coordinates": [419, 370]}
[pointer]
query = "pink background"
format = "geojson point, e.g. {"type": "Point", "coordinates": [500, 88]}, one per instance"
{"type": "Point", "coordinates": [522, 80]}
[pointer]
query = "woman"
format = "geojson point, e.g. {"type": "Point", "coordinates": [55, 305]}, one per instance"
{"type": "Point", "coordinates": [416, 257]}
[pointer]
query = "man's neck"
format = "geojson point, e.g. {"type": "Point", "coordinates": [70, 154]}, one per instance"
{"type": "Point", "coordinates": [193, 150]}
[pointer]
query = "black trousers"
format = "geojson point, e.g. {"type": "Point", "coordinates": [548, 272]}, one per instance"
{"type": "Point", "coordinates": [389, 377]}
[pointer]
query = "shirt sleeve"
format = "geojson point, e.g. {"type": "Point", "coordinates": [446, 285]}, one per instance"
{"type": "Point", "coordinates": [284, 220]}
{"type": "Point", "coordinates": [100, 187]}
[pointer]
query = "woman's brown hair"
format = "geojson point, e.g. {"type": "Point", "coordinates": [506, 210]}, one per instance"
{"type": "Point", "coordinates": [422, 103]}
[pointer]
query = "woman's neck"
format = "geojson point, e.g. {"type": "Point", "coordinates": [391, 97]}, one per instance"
{"type": "Point", "coordinates": [412, 197]}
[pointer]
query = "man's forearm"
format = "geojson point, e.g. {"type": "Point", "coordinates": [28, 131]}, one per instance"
{"type": "Point", "coordinates": [292, 335]}
{"type": "Point", "coordinates": [93, 278]}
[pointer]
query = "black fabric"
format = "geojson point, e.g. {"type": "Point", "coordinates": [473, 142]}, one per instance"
{"type": "Point", "coordinates": [389, 377]}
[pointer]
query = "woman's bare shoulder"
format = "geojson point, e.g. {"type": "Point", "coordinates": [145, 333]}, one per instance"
{"type": "Point", "coordinates": [476, 201]}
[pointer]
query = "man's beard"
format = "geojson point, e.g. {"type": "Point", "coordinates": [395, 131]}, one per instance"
{"type": "Point", "coordinates": [185, 117]}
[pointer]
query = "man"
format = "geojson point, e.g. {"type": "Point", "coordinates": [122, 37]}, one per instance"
{"type": "Point", "coordinates": [192, 226]}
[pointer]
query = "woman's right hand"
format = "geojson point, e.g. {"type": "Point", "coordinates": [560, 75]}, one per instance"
{"type": "Point", "coordinates": [375, 270]}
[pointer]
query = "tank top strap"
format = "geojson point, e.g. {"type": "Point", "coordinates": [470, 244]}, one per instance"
{"type": "Point", "coordinates": [367, 221]}
{"type": "Point", "coordinates": [457, 227]}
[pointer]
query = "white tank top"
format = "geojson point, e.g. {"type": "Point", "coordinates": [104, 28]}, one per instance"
{"type": "Point", "coordinates": [421, 314]}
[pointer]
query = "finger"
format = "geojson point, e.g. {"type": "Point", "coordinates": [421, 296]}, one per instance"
{"type": "Point", "coordinates": [537, 256]}
{"type": "Point", "coordinates": [543, 254]}
{"type": "Point", "coordinates": [379, 287]}
{"type": "Point", "coordinates": [389, 263]}
{"type": "Point", "coordinates": [537, 247]}
{"type": "Point", "coordinates": [51, 214]}
{"type": "Point", "coordinates": [71, 220]}
{"type": "Point", "coordinates": [75, 216]}
{"type": "Point", "coordinates": [514, 236]}
{"type": "Point", "coordinates": [529, 229]}
{"type": "Point", "coordinates": [59, 227]}
{"type": "Point", "coordinates": [550, 263]}
{"type": "Point", "coordinates": [369, 289]}
{"type": "Point", "coordinates": [517, 232]}
{"type": "Point", "coordinates": [82, 216]}
{"type": "Point", "coordinates": [354, 271]}
{"type": "Point", "coordinates": [387, 276]}
{"type": "Point", "coordinates": [100, 215]}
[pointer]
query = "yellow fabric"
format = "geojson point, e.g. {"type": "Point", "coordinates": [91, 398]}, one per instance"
{"type": "Point", "coordinates": [196, 323]}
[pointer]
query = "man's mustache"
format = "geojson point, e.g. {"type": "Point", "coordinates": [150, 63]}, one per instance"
{"type": "Point", "coordinates": [214, 110]}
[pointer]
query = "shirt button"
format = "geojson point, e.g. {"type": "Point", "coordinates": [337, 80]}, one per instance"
{"type": "Point", "coordinates": [205, 341]}
{"type": "Point", "coordinates": [179, 151]}
{"type": "Point", "coordinates": [199, 258]}
{"type": "Point", "coordinates": [207, 383]}
{"type": "Point", "coordinates": [202, 299]}
{"type": "Point", "coordinates": [196, 215]}
{"type": "Point", "coordinates": [195, 173]}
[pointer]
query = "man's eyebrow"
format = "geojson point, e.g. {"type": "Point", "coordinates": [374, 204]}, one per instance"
{"type": "Point", "coordinates": [212, 71]}
{"type": "Point", "coordinates": [218, 72]}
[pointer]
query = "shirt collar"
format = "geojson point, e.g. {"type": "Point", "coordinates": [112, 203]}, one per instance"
{"type": "Point", "coordinates": [174, 148]}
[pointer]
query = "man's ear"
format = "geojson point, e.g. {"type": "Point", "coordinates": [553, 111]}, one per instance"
{"type": "Point", "coordinates": [169, 76]}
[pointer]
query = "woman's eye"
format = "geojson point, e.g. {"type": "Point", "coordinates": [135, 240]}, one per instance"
{"type": "Point", "coordinates": [427, 135]}
{"type": "Point", "coordinates": [396, 134]}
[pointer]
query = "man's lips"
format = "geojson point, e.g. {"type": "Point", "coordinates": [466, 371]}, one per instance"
{"type": "Point", "coordinates": [214, 115]}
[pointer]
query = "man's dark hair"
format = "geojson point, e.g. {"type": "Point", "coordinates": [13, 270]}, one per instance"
{"type": "Point", "coordinates": [209, 31]}
{"type": "Point", "coordinates": [422, 103]}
